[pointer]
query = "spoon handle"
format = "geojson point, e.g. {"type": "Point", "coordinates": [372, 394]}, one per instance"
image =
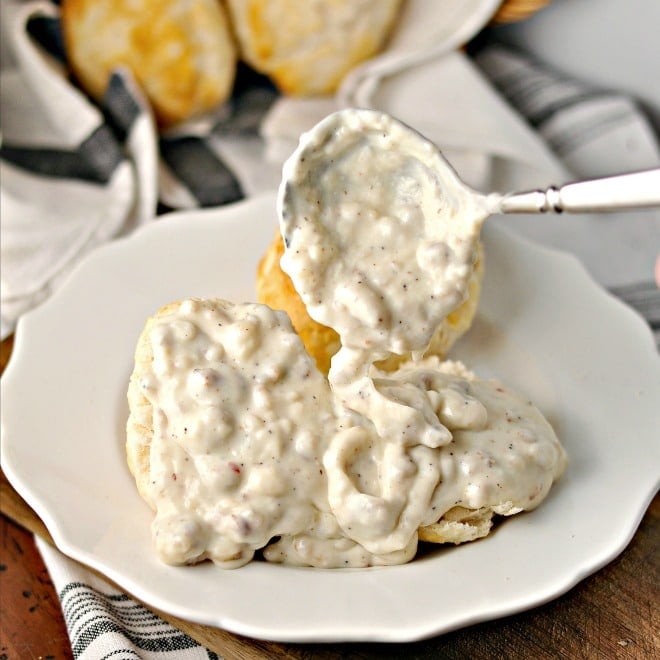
{"type": "Point", "coordinates": [625, 191]}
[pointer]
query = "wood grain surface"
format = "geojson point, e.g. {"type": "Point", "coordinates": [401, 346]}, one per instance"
{"type": "Point", "coordinates": [612, 614]}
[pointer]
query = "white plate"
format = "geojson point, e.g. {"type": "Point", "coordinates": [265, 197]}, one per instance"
{"type": "Point", "coordinates": [587, 361]}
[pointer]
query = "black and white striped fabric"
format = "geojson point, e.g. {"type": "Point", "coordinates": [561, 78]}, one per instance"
{"type": "Point", "coordinates": [76, 174]}
{"type": "Point", "coordinates": [189, 156]}
{"type": "Point", "coordinates": [595, 132]}
{"type": "Point", "coordinates": [106, 623]}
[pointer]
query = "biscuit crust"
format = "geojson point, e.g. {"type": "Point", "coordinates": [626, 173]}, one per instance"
{"type": "Point", "coordinates": [180, 52]}
{"type": "Point", "coordinates": [306, 48]}
{"type": "Point", "coordinates": [275, 289]}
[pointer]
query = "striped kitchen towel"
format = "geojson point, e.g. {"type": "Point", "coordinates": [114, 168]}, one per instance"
{"type": "Point", "coordinates": [103, 622]}
{"type": "Point", "coordinates": [75, 174]}
{"type": "Point", "coordinates": [595, 132]}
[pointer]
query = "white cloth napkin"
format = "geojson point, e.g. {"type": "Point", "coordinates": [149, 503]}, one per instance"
{"type": "Point", "coordinates": [76, 175]}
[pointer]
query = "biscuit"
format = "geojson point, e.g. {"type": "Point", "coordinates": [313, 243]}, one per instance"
{"type": "Point", "coordinates": [181, 52]}
{"type": "Point", "coordinates": [458, 525]}
{"type": "Point", "coordinates": [275, 289]}
{"type": "Point", "coordinates": [306, 48]}
{"type": "Point", "coordinates": [512, 11]}
{"type": "Point", "coordinates": [140, 426]}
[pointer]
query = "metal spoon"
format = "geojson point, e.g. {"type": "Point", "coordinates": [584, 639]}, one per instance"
{"type": "Point", "coordinates": [613, 193]}
{"type": "Point", "coordinates": [373, 216]}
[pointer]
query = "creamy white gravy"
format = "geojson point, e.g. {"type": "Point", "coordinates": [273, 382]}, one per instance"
{"type": "Point", "coordinates": [253, 448]}
{"type": "Point", "coordinates": [380, 233]}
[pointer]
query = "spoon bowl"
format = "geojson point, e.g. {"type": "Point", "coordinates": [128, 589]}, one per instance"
{"type": "Point", "coordinates": [380, 233]}
{"type": "Point", "coordinates": [377, 221]}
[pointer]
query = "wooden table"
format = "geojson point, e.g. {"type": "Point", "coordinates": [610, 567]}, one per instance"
{"type": "Point", "coordinates": [612, 614]}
